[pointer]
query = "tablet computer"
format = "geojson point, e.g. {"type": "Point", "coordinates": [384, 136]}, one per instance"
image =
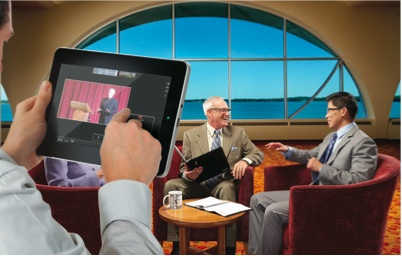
{"type": "Point", "coordinates": [90, 87]}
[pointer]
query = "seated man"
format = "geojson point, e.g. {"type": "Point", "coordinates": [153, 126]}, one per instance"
{"type": "Point", "coordinates": [240, 152]}
{"type": "Point", "coordinates": [26, 224]}
{"type": "Point", "coordinates": [64, 173]}
{"type": "Point", "coordinates": [346, 156]}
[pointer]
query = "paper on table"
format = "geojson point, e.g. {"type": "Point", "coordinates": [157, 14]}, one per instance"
{"type": "Point", "coordinates": [222, 207]}
{"type": "Point", "coordinates": [208, 201]}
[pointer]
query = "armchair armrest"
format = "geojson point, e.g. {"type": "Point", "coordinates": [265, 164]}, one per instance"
{"type": "Point", "coordinates": [284, 177]}
{"type": "Point", "coordinates": [246, 189]}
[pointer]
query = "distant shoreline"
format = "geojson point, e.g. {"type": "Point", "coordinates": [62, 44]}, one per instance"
{"type": "Point", "coordinates": [397, 98]}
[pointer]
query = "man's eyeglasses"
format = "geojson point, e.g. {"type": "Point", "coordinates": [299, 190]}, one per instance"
{"type": "Point", "coordinates": [332, 109]}
{"type": "Point", "coordinates": [222, 110]}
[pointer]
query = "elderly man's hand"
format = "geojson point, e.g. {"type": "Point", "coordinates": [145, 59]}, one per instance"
{"type": "Point", "coordinates": [239, 169]}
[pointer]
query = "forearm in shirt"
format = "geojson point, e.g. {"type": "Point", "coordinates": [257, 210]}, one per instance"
{"type": "Point", "coordinates": [125, 216]}
{"type": "Point", "coordinates": [27, 225]}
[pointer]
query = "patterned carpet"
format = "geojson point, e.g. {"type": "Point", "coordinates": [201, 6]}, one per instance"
{"type": "Point", "coordinates": [392, 242]}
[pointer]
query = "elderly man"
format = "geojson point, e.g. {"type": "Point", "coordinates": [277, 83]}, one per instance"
{"type": "Point", "coordinates": [240, 153]}
{"type": "Point", "coordinates": [26, 223]}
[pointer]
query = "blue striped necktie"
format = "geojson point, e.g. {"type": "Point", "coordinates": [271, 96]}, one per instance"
{"type": "Point", "coordinates": [216, 143]}
{"type": "Point", "coordinates": [324, 158]}
{"type": "Point", "coordinates": [328, 151]}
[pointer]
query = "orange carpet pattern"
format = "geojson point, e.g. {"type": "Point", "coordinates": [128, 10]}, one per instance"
{"type": "Point", "coordinates": [392, 240]}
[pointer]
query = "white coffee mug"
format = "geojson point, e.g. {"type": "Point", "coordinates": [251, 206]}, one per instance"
{"type": "Point", "coordinates": [175, 200]}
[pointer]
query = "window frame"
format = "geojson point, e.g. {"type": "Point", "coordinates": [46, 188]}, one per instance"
{"type": "Point", "coordinates": [286, 24]}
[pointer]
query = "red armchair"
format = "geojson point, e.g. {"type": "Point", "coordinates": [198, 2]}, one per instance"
{"type": "Point", "coordinates": [335, 219]}
{"type": "Point", "coordinates": [160, 227]}
{"type": "Point", "coordinates": [76, 209]}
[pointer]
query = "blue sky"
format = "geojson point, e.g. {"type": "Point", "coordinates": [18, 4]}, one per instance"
{"type": "Point", "coordinates": [207, 39]}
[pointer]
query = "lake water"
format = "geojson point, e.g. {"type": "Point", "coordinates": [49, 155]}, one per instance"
{"type": "Point", "coordinates": [271, 110]}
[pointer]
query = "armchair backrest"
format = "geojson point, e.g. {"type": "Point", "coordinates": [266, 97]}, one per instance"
{"type": "Point", "coordinates": [175, 165]}
{"type": "Point", "coordinates": [387, 167]}
{"type": "Point", "coordinates": [76, 209]}
{"type": "Point", "coordinates": [38, 173]}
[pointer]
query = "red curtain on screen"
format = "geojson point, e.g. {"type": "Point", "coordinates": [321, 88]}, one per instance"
{"type": "Point", "coordinates": [91, 93]}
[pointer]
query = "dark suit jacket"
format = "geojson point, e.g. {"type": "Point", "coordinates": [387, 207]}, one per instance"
{"type": "Point", "coordinates": [353, 160]}
{"type": "Point", "coordinates": [236, 145]}
{"type": "Point", "coordinates": [111, 105]}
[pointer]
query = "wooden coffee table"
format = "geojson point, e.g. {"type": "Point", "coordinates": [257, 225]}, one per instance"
{"type": "Point", "coordinates": [189, 217]}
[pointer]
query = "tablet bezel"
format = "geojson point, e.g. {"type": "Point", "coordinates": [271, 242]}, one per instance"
{"type": "Point", "coordinates": [178, 71]}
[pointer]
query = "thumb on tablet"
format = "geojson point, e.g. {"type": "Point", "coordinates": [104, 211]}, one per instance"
{"type": "Point", "coordinates": [43, 97]}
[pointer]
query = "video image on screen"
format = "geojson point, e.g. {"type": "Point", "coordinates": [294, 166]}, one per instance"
{"type": "Point", "coordinates": [92, 102]}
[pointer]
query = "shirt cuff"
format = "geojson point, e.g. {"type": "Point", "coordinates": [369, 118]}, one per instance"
{"type": "Point", "coordinates": [124, 200]}
{"type": "Point", "coordinates": [249, 161]}
{"type": "Point", "coordinates": [184, 177]}
{"type": "Point", "coordinates": [288, 153]}
{"type": "Point", "coordinates": [4, 156]}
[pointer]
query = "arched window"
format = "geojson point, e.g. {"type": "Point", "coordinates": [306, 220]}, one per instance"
{"type": "Point", "coordinates": [396, 104]}
{"type": "Point", "coordinates": [6, 113]}
{"type": "Point", "coordinates": [266, 66]}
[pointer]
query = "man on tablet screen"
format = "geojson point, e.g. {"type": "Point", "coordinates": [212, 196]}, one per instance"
{"type": "Point", "coordinates": [240, 153]}
{"type": "Point", "coordinates": [108, 107]}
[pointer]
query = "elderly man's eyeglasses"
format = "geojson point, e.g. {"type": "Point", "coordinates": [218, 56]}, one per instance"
{"type": "Point", "coordinates": [332, 109]}
{"type": "Point", "coordinates": [222, 110]}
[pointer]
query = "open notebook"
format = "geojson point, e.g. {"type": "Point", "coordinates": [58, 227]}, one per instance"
{"type": "Point", "coordinates": [221, 207]}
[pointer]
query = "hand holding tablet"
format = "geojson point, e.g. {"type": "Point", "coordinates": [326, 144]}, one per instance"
{"type": "Point", "coordinates": [28, 128]}
{"type": "Point", "coordinates": [85, 81]}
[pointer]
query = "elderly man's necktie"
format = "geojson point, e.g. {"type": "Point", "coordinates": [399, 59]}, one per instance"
{"type": "Point", "coordinates": [216, 143]}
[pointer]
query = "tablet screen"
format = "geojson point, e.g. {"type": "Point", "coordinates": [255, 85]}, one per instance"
{"type": "Point", "coordinates": [90, 87]}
